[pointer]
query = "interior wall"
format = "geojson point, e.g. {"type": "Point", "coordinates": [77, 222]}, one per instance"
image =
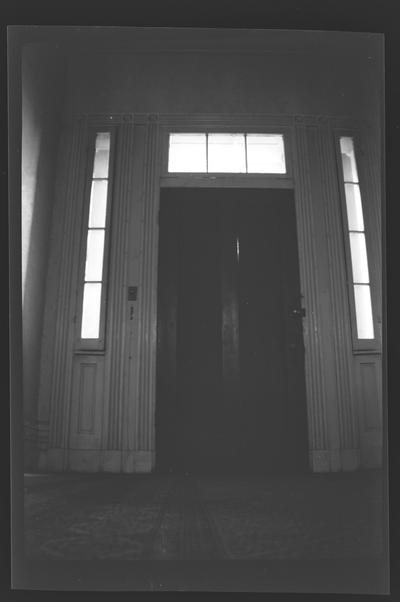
{"type": "Point", "coordinates": [109, 83]}
{"type": "Point", "coordinates": [42, 81]}
{"type": "Point", "coordinates": [192, 82]}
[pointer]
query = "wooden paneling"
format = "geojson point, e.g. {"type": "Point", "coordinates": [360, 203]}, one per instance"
{"type": "Point", "coordinates": [368, 369]}
{"type": "Point", "coordinates": [86, 398]}
{"type": "Point", "coordinates": [370, 395]}
{"type": "Point", "coordinates": [87, 402]}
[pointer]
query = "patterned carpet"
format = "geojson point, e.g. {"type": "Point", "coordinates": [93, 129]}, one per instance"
{"type": "Point", "coordinates": [155, 517]}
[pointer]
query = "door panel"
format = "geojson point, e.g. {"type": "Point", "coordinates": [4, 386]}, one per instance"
{"type": "Point", "coordinates": [230, 373]}
{"type": "Point", "coordinates": [199, 339]}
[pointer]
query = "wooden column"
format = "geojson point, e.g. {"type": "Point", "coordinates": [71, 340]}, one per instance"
{"type": "Point", "coordinates": [56, 375]}
{"type": "Point", "coordinates": [340, 316]}
{"type": "Point", "coordinates": [118, 316]}
{"type": "Point", "coordinates": [316, 365]}
{"type": "Point", "coordinates": [147, 306]}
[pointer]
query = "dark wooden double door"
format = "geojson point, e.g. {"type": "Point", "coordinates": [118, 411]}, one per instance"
{"type": "Point", "coordinates": [230, 354]}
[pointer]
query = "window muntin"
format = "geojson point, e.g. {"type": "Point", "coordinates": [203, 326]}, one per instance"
{"type": "Point", "coordinates": [93, 280]}
{"type": "Point", "coordinates": [357, 241]}
{"type": "Point", "coordinates": [226, 153]}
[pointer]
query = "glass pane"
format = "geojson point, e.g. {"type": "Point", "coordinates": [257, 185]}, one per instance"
{"type": "Point", "coordinates": [102, 155]}
{"type": "Point", "coordinates": [226, 153]}
{"type": "Point", "coordinates": [365, 325]}
{"type": "Point", "coordinates": [187, 153]}
{"type": "Point", "coordinates": [354, 207]}
{"type": "Point", "coordinates": [94, 255]}
{"type": "Point", "coordinates": [91, 310]}
{"type": "Point", "coordinates": [348, 160]}
{"type": "Point", "coordinates": [98, 204]}
{"type": "Point", "coordinates": [103, 141]}
{"type": "Point", "coordinates": [265, 153]}
{"type": "Point", "coordinates": [100, 169]}
{"type": "Point", "coordinates": [359, 257]}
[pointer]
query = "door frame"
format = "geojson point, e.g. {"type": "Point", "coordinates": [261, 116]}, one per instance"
{"type": "Point", "coordinates": [335, 376]}
{"type": "Point", "coordinates": [282, 126]}
{"type": "Point", "coordinates": [207, 184]}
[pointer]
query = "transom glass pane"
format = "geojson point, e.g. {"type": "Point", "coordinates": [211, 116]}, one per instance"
{"type": "Point", "coordinates": [348, 160]}
{"type": "Point", "coordinates": [365, 325]}
{"type": "Point", "coordinates": [94, 255]}
{"type": "Point", "coordinates": [98, 204]}
{"type": "Point", "coordinates": [359, 257]}
{"type": "Point", "coordinates": [354, 207]}
{"type": "Point", "coordinates": [91, 310]}
{"type": "Point", "coordinates": [265, 153]}
{"type": "Point", "coordinates": [187, 153]}
{"type": "Point", "coordinates": [226, 153]}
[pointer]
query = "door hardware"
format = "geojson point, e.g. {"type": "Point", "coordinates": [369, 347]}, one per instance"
{"type": "Point", "coordinates": [298, 313]}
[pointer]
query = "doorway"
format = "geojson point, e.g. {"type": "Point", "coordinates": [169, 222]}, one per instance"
{"type": "Point", "coordinates": [230, 354]}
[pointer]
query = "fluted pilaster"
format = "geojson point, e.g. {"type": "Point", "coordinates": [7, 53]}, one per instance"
{"type": "Point", "coordinates": [69, 215]}
{"type": "Point", "coordinates": [314, 365]}
{"type": "Point", "coordinates": [148, 291]}
{"type": "Point", "coordinates": [117, 301]}
{"type": "Point", "coordinates": [340, 317]}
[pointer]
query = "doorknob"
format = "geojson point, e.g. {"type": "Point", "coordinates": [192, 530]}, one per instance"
{"type": "Point", "coordinates": [298, 313]}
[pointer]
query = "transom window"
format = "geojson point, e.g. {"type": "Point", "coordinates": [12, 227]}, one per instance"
{"type": "Point", "coordinates": [226, 153]}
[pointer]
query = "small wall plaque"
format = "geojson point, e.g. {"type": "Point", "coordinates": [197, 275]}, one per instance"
{"type": "Point", "coordinates": [132, 293]}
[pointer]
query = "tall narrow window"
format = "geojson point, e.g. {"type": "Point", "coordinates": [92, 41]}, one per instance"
{"type": "Point", "coordinates": [358, 248]}
{"type": "Point", "coordinates": [95, 239]}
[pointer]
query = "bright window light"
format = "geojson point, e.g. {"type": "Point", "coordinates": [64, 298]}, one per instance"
{"type": "Point", "coordinates": [226, 153]}
{"type": "Point", "coordinates": [365, 324]}
{"type": "Point", "coordinates": [355, 216]}
{"type": "Point", "coordinates": [95, 239]}
{"type": "Point", "coordinates": [91, 310]}
{"type": "Point", "coordinates": [265, 153]}
{"type": "Point", "coordinates": [348, 159]}
{"type": "Point", "coordinates": [187, 153]}
{"type": "Point", "coordinates": [358, 247]}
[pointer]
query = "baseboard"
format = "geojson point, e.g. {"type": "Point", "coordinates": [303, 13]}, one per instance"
{"type": "Point", "coordinates": [131, 462]}
{"type": "Point", "coordinates": [326, 460]}
{"type": "Point", "coordinates": [93, 460]}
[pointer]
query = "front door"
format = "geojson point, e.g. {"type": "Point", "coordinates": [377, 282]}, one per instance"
{"type": "Point", "coordinates": [230, 355]}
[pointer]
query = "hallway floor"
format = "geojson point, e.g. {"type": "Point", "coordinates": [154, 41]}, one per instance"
{"type": "Point", "coordinates": [328, 521]}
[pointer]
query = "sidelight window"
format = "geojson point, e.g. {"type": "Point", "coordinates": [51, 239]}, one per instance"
{"type": "Point", "coordinates": [226, 153]}
{"type": "Point", "coordinates": [95, 241]}
{"type": "Point", "coordinates": [357, 242]}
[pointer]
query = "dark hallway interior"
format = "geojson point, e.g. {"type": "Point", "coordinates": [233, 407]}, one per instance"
{"type": "Point", "coordinates": [230, 388]}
